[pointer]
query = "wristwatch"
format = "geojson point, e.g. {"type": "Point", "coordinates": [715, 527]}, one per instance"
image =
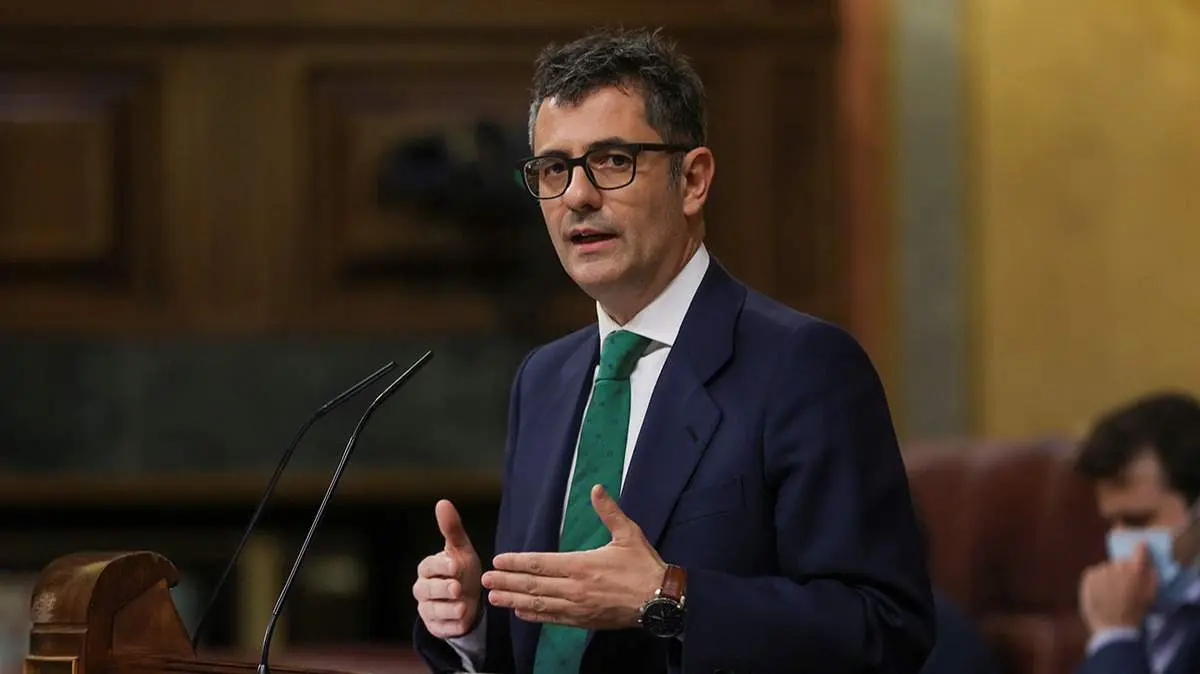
{"type": "Point", "coordinates": [663, 615]}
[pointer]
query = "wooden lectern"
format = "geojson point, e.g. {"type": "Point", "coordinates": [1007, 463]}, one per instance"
{"type": "Point", "coordinates": [112, 613]}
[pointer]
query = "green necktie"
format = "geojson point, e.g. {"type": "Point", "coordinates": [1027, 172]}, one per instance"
{"type": "Point", "coordinates": [600, 459]}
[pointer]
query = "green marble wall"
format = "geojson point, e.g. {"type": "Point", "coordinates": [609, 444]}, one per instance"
{"type": "Point", "coordinates": [127, 407]}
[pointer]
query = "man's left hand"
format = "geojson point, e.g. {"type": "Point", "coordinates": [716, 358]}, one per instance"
{"type": "Point", "coordinates": [594, 589]}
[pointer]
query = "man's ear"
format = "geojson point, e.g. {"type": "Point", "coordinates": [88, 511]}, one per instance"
{"type": "Point", "coordinates": [699, 166]}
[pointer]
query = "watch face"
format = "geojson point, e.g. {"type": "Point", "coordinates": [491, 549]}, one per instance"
{"type": "Point", "coordinates": [662, 618]}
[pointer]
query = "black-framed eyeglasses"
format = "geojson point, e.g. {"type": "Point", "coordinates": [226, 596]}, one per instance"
{"type": "Point", "coordinates": [608, 167]}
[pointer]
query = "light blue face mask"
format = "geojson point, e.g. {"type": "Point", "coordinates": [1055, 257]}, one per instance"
{"type": "Point", "coordinates": [1173, 580]}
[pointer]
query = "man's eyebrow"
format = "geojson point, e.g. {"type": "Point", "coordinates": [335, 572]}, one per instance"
{"type": "Point", "coordinates": [594, 145]}
{"type": "Point", "coordinates": [1131, 515]}
{"type": "Point", "coordinates": [607, 142]}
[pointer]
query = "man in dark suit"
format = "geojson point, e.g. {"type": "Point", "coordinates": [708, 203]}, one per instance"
{"type": "Point", "coordinates": [704, 480]}
{"type": "Point", "coordinates": [1143, 609]}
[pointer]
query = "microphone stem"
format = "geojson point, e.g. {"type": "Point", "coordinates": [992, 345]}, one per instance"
{"type": "Point", "coordinates": [263, 668]}
{"type": "Point", "coordinates": [312, 530]}
{"type": "Point", "coordinates": [262, 504]}
{"type": "Point", "coordinates": [212, 600]}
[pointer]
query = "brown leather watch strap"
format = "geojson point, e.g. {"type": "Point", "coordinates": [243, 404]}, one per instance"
{"type": "Point", "coordinates": [674, 583]}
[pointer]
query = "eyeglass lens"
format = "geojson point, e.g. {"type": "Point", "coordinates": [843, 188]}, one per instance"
{"type": "Point", "coordinates": [607, 168]}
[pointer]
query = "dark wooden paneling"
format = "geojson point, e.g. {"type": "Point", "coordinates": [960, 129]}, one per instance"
{"type": "Point", "coordinates": [863, 177]}
{"type": "Point", "coordinates": [753, 16]}
{"type": "Point", "coordinates": [809, 250]}
{"type": "Point", "coordinates": [233, 182]}
{"type": "Point", "coordinates": [379, 248]}
{"type": "Point", "coordinates": [79, 198]}
{"type": "Point", "coordinates": [57, 138]}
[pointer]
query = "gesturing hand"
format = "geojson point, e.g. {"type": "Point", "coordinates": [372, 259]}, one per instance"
{"type": "Point", "coordinates": [596, 589]}
{"type": "Point", "coordinates": [448, 583]}
{"type": "Point", "coordinates": [1118, 593]}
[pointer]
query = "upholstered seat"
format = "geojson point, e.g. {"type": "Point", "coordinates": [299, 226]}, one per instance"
{"type": "Point", "coordinates": [1011, 528]}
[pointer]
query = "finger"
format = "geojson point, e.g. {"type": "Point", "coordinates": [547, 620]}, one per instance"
{"type": "Point", "coordinates": [619, 525]}
{"type": "Point", "coordinates": [428, 589]}
{"type": "Point", "coordinates": [1147, 572]}
{"type": "Point", "coordinates": [551, 609]}
{"type": "Point", "coordinates": [440, 565]}
{"type": "Point", "coordinates": [530, 584]}
{"type": "Point", "coordinates": [531, 617]}
{"type": "Point", "coordinates": [553, 564]}
{"type": "Point", "coordinates": [442, 611]}
{"type": "Point", "coordinates": [448, 629]}
{"type": "Point", "coordinates": [1143, 561]}
{"type": "Point", "coordinates": [451, 526]}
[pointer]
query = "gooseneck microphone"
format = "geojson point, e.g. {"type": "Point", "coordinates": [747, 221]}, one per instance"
{"type": "Point", "coordinates": [264, 655]}
{"type": "Point", "coordinates": [283, 462]}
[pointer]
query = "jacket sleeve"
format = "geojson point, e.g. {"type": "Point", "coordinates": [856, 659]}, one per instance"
{"type": "Point", "coordinates": [1121, 653]}
{"type": "Point", "coordinates": [853, 593]}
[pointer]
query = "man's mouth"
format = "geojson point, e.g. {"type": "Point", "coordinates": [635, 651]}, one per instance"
{"type": "Point", "coordinates": [585, 236]}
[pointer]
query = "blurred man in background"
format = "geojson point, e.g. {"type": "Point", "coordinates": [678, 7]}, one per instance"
{"type": "Point", "coordinates": [1142, 609]}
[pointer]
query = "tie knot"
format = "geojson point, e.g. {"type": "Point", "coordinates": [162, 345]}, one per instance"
{"type": "Point", "coordinates": [619, 354]}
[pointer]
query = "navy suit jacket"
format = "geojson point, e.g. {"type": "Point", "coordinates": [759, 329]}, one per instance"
{"type": "Point", "coordinates": [767, 466]}
{"type": "Point", "coordinates": [1130, 657]}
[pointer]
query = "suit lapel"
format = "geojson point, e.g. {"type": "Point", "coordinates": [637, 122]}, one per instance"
{"type": "Point", "coordinates": [556, 443]}
{"type": "Point", "coordinates": [682, 417]}
{"type": "Point", "coordinates": [1187, 658]}
{"type": "Point", "coordinates": [552, 446]}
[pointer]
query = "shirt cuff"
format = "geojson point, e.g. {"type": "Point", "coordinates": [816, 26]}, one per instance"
{"type": "Point", "coordinates": [470, 646]}
{"type": "Point", "coordinates": [1103, 638]}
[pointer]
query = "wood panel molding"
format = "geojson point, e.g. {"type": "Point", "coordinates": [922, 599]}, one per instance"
{"type": "Point", "coordinates": [79, 206]}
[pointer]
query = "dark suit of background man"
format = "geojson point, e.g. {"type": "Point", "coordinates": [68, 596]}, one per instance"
{"type": "Point", "coordinates": [765, 523]}
{"type": "Point", "coordinates": [1143, 611]}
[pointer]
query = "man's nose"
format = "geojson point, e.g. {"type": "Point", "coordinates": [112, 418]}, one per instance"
{"type": "Point", "coordinates": [581, 194]}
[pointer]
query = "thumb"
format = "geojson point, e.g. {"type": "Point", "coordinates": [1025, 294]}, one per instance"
{"type": "Point", "coordinates": [451, 526]}
{"type": "Point", "coordinates": [619, 525]}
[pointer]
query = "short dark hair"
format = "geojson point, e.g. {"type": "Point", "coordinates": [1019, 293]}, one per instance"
{"type": "Point", "coordinates": [640, 59]}
{"type": "Point", "coordinates": [1166, 423]}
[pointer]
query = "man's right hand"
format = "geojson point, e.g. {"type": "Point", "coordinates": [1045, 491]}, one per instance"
{"type": "Point", "coordinates": [448, 589]}
{"type": "Point", "coordinates": [1118, 594]}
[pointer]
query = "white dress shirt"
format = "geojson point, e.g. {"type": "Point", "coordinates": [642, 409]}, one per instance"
{"type": "Point", "coordinates": [659, 322]}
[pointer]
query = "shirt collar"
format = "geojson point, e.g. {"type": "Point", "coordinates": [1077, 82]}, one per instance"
{"type": "Point", "coordinates": [661, 320]}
